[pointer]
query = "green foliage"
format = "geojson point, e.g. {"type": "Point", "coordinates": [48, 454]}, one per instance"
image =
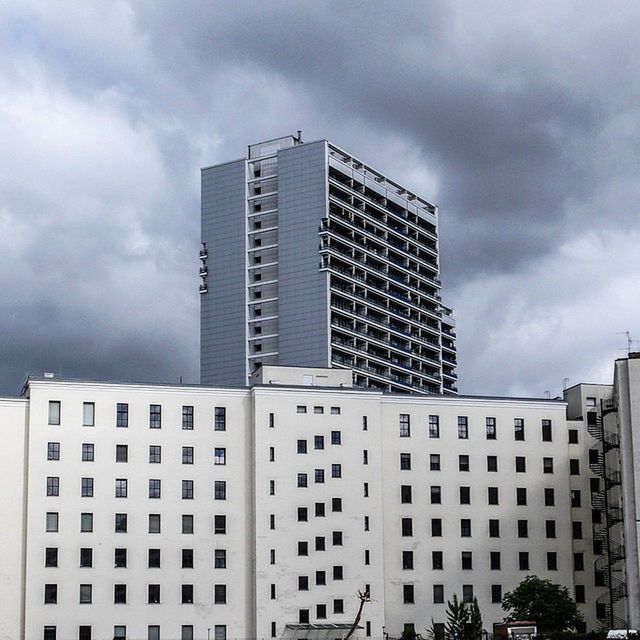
{"type": "Point", "coordinates": [457, 619]}
{"type": "Point", "coordinates": [409, 634]}
{"type": "Point", "coordinates": [474, 628]}
{"type": "Point", "coordinates": [548, 604]}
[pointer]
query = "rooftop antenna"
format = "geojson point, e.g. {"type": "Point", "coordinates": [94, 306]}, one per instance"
{"type": "Point", "coordinates": [547, 394]}
{"type": "Point", "coordinates": [630, 342]}
{"type": "Point", "coordinates": [565, 383]}
{"type": "Point", "coordinates": [299, 135]}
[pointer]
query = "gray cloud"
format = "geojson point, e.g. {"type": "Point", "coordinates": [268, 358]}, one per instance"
{"type": "Point", "coordinates": [519, 119]}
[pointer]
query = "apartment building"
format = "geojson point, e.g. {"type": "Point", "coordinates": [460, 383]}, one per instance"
{"type": "Point", "coordinates": [312, 258]}
{"type": "Point", "coordinates": [149, 511]}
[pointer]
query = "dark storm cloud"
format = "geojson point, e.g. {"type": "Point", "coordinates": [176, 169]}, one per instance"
{"type": "Point", "coordinates": [519, 119]}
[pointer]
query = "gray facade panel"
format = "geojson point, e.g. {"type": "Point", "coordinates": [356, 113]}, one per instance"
{"type": "Point", "coordinates": [222, 359]}
{"type": "Point", "coordinates": [302, 287]}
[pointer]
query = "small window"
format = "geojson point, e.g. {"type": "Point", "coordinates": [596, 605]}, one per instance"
{"type": "Point", "coordinates": [50, 593]}
{"type": "Point", "coordinates": [550, 528]}
{"type": "Point", "coordinates": [496, 593]}
{"type": "Point", "coordinates": [155, 488]}
{"type": "Point", "coordinates": [490, 428]}
{"type": "Point", "coordinates": [494, 528]}
{"type": "Point", "coordinates": [85, 594]}
{"type": "Point", "coordinates": [301, 409]}
{"type": "Point", "coordinates": [578, 561]}
{"type": "Point", "coordinates": [549, 497]}
{"type": "Point", "coordinates": [220, 419]}
{"type": "Point", "coordinates": [547, 465]}
{"type": "Point", "coordinates": [576, 530]}
{"type": "Point", "coordinates": [220, 559]}
{"type": "Point", "coordinates": [155, 416]}
{"type": "Point", "coordinates": [521, 464]}
{"type": "Point", "coordinates": [407, 527]}
{"type": "Point", "coordinates": [547, 435]}
{"type": "Point", "coordinates": [518, 429]}
{"type": "Point", "coordinates": [591, 402]}
{"type": "Point", "coordinates": [54, 412]}
{"type": "Point", "coordinates": [467, 593]}
{"type": "Point", "coordinates": [466, 559]}
{"type": "Point", "coordinates": [53, 451]}
{"type": "Point", "coordinates": [574, 467]}
{"type": "Point", "coordinates": [405, 494]}
{"type": "Point", "coordinates": [303, 547]}
{"type": "Point", "coordinates": [319, 510]}
{"type": "Point", "coordinates": [321, 611]}
{"type": "Point", "coordinates": [407, 560]}
{"type": "Point", "coordinates": [187, 417]}
{"type": "Point", "coordinates": [122, 453]}
{"type": "Point", "coordinates": [153, 594]}
{"type": "Point", "coordinates": [338, 573]}
{"type": "Point", "coordinates": [336, 437]}
{"type": "Point", "coordinates": [220, 632]}
{"type": "Point", "coordinates": [302, 446]}
{"type": "Point", "coordinates": [336, 504]}
{"type": "Point", "coordinates": [319, 476]}
{"type": "Point", "coordinates": [492, 463]}
{"type": "Point", "coordinates": [153, 632]}
{"type": "Point", "coordinates": [576, 499]}
{"type": "Point", "coordinates": [49, 632]}
{"type": "Point", "coordinates": [86, 522]}
{"type": "Point", "coordinates": [434, 462]}
{"type": "Point", "coordinates": [220, 524]}
{"type": "Point", "coordinates": [573, 436]}
{"type": "Point", "coordinates": [335, 411]}
{"type": "Point", "coordinates": [318, 442]}
{"type": "Point", "coordinates": [465, 528]}
{"type": "Point", "coordinates": [405, 427]}
{"type": "Point", "coordinates": [435, 494]}
{"type": "Point", "coordinates": [122, 414]}
{"type": "Point", "coordinates": [302, 480]}
{"type": "Point", "coordinates": [53, 486]}
{"type": "Point", "coordinates": [436, 527]}
{"type": "Point", "coordinates": [187, 489]}
{"type": "Point", "coordinates": [187, 558]}
{"type": "Point", "coordinates": [187, 455]}
{"type": "Point", "coordinates": [303, 583]}
{"type": "Point", "coordinates": [463, 427]}
{"type": "Point", "coordinates": [120, 558]}
{"type": "Point", "coordinates": [523, 560]}
{"type": "Point", "coordinates": [495, 561]}
{"type": "Point", "coordinates": [408, 596]}
{"type": "Point", "coordinates": [338, 605]}
{"type": "Point", "coordinates": [405, 461]}
{"type": "Point", "coordinates": [336, 471]}
{"type": "Point", "coordinates": [220, 455]}
{"type": "Point", "coordinates": [437, 560]}
{"type": "Point", "coordinates": [303, 514]}
{"type": "Point", "coordinates": [434, 426]}
{"type": "Point", "coordinates": [187, 632]}
{"type": "Point", "coordinates": [154, 523]}
{"type": "Point", "coordinates": [438, 594]}
{"type": "Point", "coordinates": [120, 523]}
{"type": "Point", "coordinates": [51, 557]}
{"type": "Point", "coordinates": [86, 487]}
{"type": "Point", "coordinates": [119, 597]}
{"type": "Point", "coordinates": [88, 414]}
{"type": "Point", "coordinates": [220, 490]}
{"type": "Point", "coordinates": [523, 528]}
{"type": "Point", "coordinates": [87, 452]}
{"type": "Point", "coordinates": [552, 561]}
{"type": "Point", "coordinates": [155, 454]}
{"type": "Point", "coordinates": [463, 463]}
{"type": "Point", "coordinates": [465, 495]}
{"type": "Point", "coordinates": [121, 488]}
{"type": "Point", "coordinates": [365, 423]}
{"type": "Point", "coordinates": [318, 409]}
{"type": "Point", "coordinates": [492, 495]}
{"type": "Point", "coordinates": [187, 523]}
{"type": "Point", "coordinates": [320, 543]}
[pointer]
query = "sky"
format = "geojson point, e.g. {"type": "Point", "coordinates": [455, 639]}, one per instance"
{"type": "Point", "coordinates": [519, 119]}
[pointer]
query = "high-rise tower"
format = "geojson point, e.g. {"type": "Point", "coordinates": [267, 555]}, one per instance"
{"type": "Point", "coordinates": [312, 258]}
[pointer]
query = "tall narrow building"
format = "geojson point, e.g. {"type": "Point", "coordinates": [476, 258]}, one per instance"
{"type": "Point", "coordinates": [312, 258]}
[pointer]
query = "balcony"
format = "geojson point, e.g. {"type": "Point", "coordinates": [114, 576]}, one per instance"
{"type": "Point", "coordinates": [203, 288]}
{"type": "Point", "coordinates": [203, 270]}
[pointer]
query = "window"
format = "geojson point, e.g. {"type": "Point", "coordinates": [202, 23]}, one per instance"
{"type": "Point", "coordinates": [365, 456]}
{"type": "Point", "coordinates": [465, 528]}
{"type": "Point", "coordinates": [302, 446]}
{"type": "Point", "coordinates": [523, 560]}
{"type": "Point", "coordinates": [573, 436]}
{"type": "Point", "coordinates": [576, 498]}
{"type": "Point", "coordinates": [53, 486]}
{"type": "Point", "coordinates": [88, 414]}
{"type": "Point", "coordinates": [84, 632]}
{"type": "Point", "coordinates": [187, 523]}
{"type": "Point", "coordinates": [85, 594]}
{"type": "Point", "coordinates": [122, 453]}
{"type": "Point", "coordinates": [318, 409]}
{"type": "Point", "coordinates": [438, 594]}
{"type": "Point", "coordinates": [153, 632]}
{"type": "Point", "coordinates": [220, 524]}
{"type": "Point", "coordinates": [436, 527]}
{"type": "Point", "coordinates": [521, 464]}
{"type": "Point", "coordinates": [408, 596]}
{"type": "Point", "coordinates": [187, 632]}
{"type": "Point", "coordinates": [591, 402]}
{"type": "Point", "coordinates": [155, 416]}
{"type": "Point", "coordinates": [407, 560]}
{"type": "Point", "coordinates": [405, 427]}
{"type": "Point", "coordinates": [463, 463]}
{"type": "Point", "coordinates": [220, 632]}
{"type": "Point", "coordinates": [54, 412]}
{"type": "Point", "coordinates": [550, 528]}
{"type": "Point", "coordinates": [155, 454]}
{"type": "Point", "coordinates": [122, 414]}
{"type": "Point", "coordinates": [220, 490]}
{"type": "Point", "coordinates": [321, 611]}
{"type": "Point", "coordinates": [405, 494]}
{"type": "Point", "coordinates": [50, 593]}
{"type": "Point", "coordinates": [336, 538]}
{"type": "Point", "coordinates": [187, 558]}
{"type": "Point", "coordinates": [302, 514]}
{"type": "Point", "coordinates": [578, 561]}
{"type": "Point", "coordinates": [523, 529]}
{"type": "Point", "coordinates": [365, 423]}
{"type": "Point", "coordinates": [187, 455]}
{"type": "Point", "coordinates": [492, 495]}
{"type": "Point", "coordinates": [302, 479]}
{"type": "Point", "coordinates": [272, 454]}
{"type": "Point", "coordinates": [320, 543]}
{"type": "Point", "coordinates": [121, 523]}
{"type": "Point", "coordinates": [434, 462]}
{"type": "Point", "coordinates": [220, 419]}
{"type": "Point", "coordinates": [87, 452]}
{"type": "Point", "coordinates": [437, 561]}
{"type": "Point", "coordinates": [272, 487]}
{"type": "Point", "coordinates": [436, 494]}
{"type": "Point", "coordinates": [49, 632]}
{"type": "Point", "coordinates": [494, 528]}
{"type": "Point", "coordinates": [220, 559]}
{"type": "Point", "coordinates": [338, 605]}
{"type": "Point", "coordinates": [407, 526]}
{"type": "Point", "coordinates": [336, 471]}
{"type": "Point", "coordinates": [153, 594]}
{"type": "Point", "coordinates": [303, 616]}
{"type": "Point", "coordinates": [463, 427]}
{"type": "Point", "coordinates": [119, 597]}
{"type": "Point", "coordinates": [338, 573]}
{"type": "Point", "coordinates": [154, 523]}
{"type": "Point", "coordinates": [466, 558]}
{"type": "Point", "coordinates": [187, 489]}
{"type": "Point", "coordinates": [492, 463]}
{"type": "Point", "coordinates": [467, 593]}
{"type": "Point", "coordinates": [301, 409]}
{"type": "Point", "coordinates": [86, 522]}
{"type": "Point", "coordinates": [405, 461]}
{"type": "Point", "coordinates": [272, 420]}
{"type": "Point", "coordinates": [574, 467]}
{"type": "Point", "coordinates": [120, 558]}
{"type": "Point", "coordinates": [335, 411]}
{"type": "Point", "coordinates": [86, 557]}
{"type": "Point", "coordinates": [547, 465]}
{"type": "Point", "coordinates": [496, 593]}
{"type": "Point", "coordinates": [580, 597]}
{"type": "Point", "coordinates": [51, 557]}
{"type": "Point", "coordinates": [319, 509]}
{"type": "Point", "coordinates": [549, 497]}
{"type": "Point", "coordinates": [187, 593]}
{"type": "Point", "coordinates": [336, 437]}
{"type": "Point", "coordinates": [518, 428]}
{"type": "Point", "coordinates": [121, 487]}
{"type": "Point", "coordinates": [576, 530]}
{"type": "Point", "coordinates": [490, 427]}
{"type": "Point", "coordinates": [465, 495]}
{"type": "Point", "coordinates": [319, 476]}
{"type": "Point", "coordinates": [220, 455]}
{"type": "Point", "coordinates": [495, 561]}
{"type": "Point", "coordinates": [546, 431]}
{"type": "Point", "coordinates": [53, 451]}
{"type": "Point", "coordinates": [434, 426]}
{"type": "Point", "coordinates": [521, 496]}
{"type": "Point", "coordinates": [154, 488]}
{"type": "Point", "coordinates": [303, 547]}
{"type": "Point", "coordinates": [552, 561]}
{"type": "Point", "coordinates": [321, 578]}
{"type": "Point", "coordinates": [187, 417]}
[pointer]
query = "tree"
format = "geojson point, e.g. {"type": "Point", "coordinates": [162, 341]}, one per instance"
{"type": "Point", "coordinates": [457, 618]}
{"type": "Point", "coordinates": [546, 603]}
{"type": "Point", "coordinates": [475, 621]}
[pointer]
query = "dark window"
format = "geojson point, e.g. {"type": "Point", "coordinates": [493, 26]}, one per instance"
{"type": "Point", "coordinates": [552, 561]}
{"type": "Point", "coordinates": [437, 562]}
{"type": "Point", "coordinates": [87, 452]}
{"type": "Point", "coordinates": [521, 496]}
{"type": "Point", "coordinates": [436, 494]}
{"type": "Point", "coordinates": [574, 467]}
{"type": "Point", "coordinates": [518, 428]}
{"type": "Point", "coordinates": [303, 548]}
{"type": "Point", "coordinates": [467, 560]}
{"type": "Point", "coordinates": [338, 605]}
{"type": "Point", "coordinates": [302, 479]}
{"type": "Point", "coordinates": [578, 561]}
{"type": "Point", "coordinates": [434, 426]}
{"type": "Point", "coordinates": [155, 488]}
{"type": "Point", "coordinates": [523, 560]}
{"type": "Point", "coordinates": [122, 414]}
{"type": "Point", "coordinates": [494, 557]}
{"type": "Point", "coordinates": [436, 527]}
{"type": "Point", "coordinates": [49, 632]}
{"type": "Point", "coordinates": [220, 594]}
{"type": "Point", "coordinates": [86, 557]}
{"type": "Point", "coordinates": [494, 528]}
{"type": "Point", "coordinates": [576, 498]}
{"type": "Point", "coordinates": [576, 530]}
{"type": "Point", "coordinates": [463, 427]}
{"type": "Point", "coordinates": [523, 528]}
{"type": "Point", "coordinates": [336, 471]}
{"type": "Point", "coordinates": [53, 485]}
{"type": "Point", "coordinates": [492, 495]}
{"type": "Point", "coordinates": [153, 593]}
{"type": "Point", "coordinates": [336, 437]}
{"type": "Point", "coordinates": [220, 490]}
{"type": "Point", "coordinates": [122, 453]}
{"type": "Point", "coordinates": [546, 431]}
{"type": "Point", "coordinates": [84, 632]}
{"type": "Point", "coordinates": [86, 522]}
{"type": "Point", "coordinates": [467, 593]}
{"type": "Point", "coordinates": [319, 476]}
{"type": "Point", "coordinates": [187, 417]}
{"type": "Point", "coordinates": [220, 419]}
{"type": "Point", "coordinates": [187, 523]}
{"type": "Point", "coordinates": [407, 560]}
{"type": "Point", "coordinates": [50, 593]}
{"type": "Point", "coordinates": [438, 594]}
{"type": "Point", "coordinates": [580, 598]}
{"type": "Point", "coordinates": [496, 593]}
{"type": "Point", "coordinates": [491, 428]}
{"type": "Point", "coordinates": [465, 495]}
{"type": "Point", "coordinates": [465, 528]}
{"type": "Point", "coordinates": [434, 462]}
{"type": "Point", "coordinates": [405, 427]}
{"type": "Point", "coordinates": [51, 557]}
{"type": "Point", "coordinates": [219, 524]}
{"type": "Point", "coordinates": [521, 464]}
{"type": "Point", "coordinates": [303, 583]}
{"type": "Point", "coordinates": [407, 526]}
{"type": "Point", "coordinates": [153, 558]}
{"type": "Point", "coordinates": [53, 451]}
{"type": "Point", "coordinates": [302, 514]}
{"type": "Point", "coordinates": [321, 611]}
{"type": "Point", "coordinates": [573, 436]}
{"type": "Point", "coordinates": [319, 510]}
{"type": "Point", "coordinates": [336, 504]}
{"type": "Point", "coordinates": [338, 573]}
{"type": "Point", "coordinates": [187, 455]}
{"type": "Point", "coordinates": [121, 488]}
{"type": "Point", "coordinates": [302, 446]}
{"type": "Point", "coordinates": [85, 594]}
{"type": "Point", "coordinates": [321, 578]}
{"type": "Point", "coordinates": [492, 463]}
{"type": "Point", "coordinates": [187, 594]}
{"type": "Point", "coordinates": [336, 538]}
{"type": "Point", "coordinates": [155, 453]}
{"type": "Point", "coordinates": [549, 497]}
{"type": "Point", "coordinates": [463, 462]}
{"type": "Point", "coordinates": [119, 558]}
{"type": "Point", "coordinates": [121, 523]}
{"type": "Point", "coordinates": [320, 543]}
{"type": "Point", "coordinates": [405, 461]}
{"type": "Point", "coordinates": [220, 559]}
{"type": "Point", "coordinates": [303, 616]}
{"type": "Point", "coordinates": [547, 465]}
{"type": "Point", "coordinates": [187, 558]}
{"type": "Point", "coordinates": [405, 494]}
{"type": "Point", "coordinates": [408, 596]}
{"type": "Point", "coordinates": [119, 594]}
{"type": "Point", "coordinates": [550, 528]}
{"type": "Point", "coordinates": [365, 425]}
{"type": "Point", "coordinates": [155, 416]}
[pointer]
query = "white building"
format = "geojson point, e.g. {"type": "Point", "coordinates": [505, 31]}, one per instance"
{"type": "Point", "coordinates": [146, 511]}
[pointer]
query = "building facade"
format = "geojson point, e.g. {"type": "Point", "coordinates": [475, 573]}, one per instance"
{"type": "Point", "coordinates": [147, 511]}
{"type": "Point", "coordinates": [312, 258]}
